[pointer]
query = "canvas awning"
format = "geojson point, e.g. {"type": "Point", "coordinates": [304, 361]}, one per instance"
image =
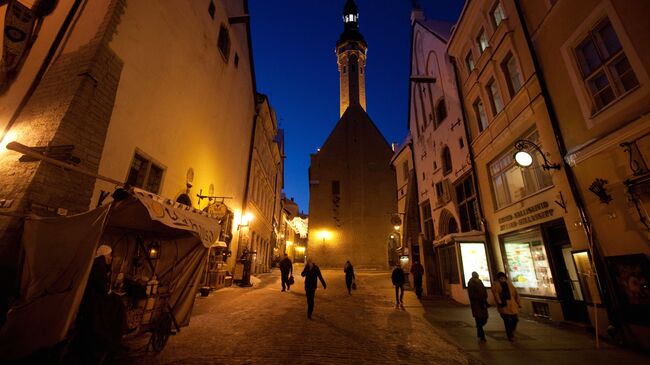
{"type": "Point", "coordinates": [164, 213]}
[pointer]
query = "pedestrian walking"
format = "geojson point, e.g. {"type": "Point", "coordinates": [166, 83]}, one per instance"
{"type": "Point", "coordinates": [507, 299]}
{"type": "Point", "coordinates": [349, 276]}
{"type": "Point", "coordinates": [312, 274]}
{"type": "Point", "coordinates": [286, 272]}
{"type": "Point", "coordinates": [398, 281]}
{"type": "Point", "coordinates": [478, 301]}
{"type": "Point", "coordinates": [417, 270]}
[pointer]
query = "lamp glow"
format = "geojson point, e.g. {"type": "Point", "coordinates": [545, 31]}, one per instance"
{"type": "Point", "coordinates": [523, 158]}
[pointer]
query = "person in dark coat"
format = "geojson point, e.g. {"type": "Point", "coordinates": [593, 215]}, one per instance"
{"type": "Point", "coordinates": [398, 281]}
{"type": "Point", "coordinates": [507, 299]}
{"type": "Point", "coordinates": [478, 301]}
{"type": "Point", "coordinates": [417, 270]}
{"type": "Point", "coordinates": [312, 274]}
{"type": "Point", "coordinates": [349, 275]}
{"type": "Point", "coordinates": [101, 318]}
{"type": "Point", "coordinates": [286, 270]}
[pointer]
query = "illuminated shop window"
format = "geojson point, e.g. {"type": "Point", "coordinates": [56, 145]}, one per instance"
{"type": "Point", "coordinates": [527, 264]}
{"type": "Point", "coordinates": [474, 258]}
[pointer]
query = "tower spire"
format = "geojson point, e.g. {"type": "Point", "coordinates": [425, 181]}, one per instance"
{"type": "Point", "coordinates": [351, 53]}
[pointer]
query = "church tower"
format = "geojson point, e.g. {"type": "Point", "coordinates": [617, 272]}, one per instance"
{"type": "Point", "coordinates": [351, 53]}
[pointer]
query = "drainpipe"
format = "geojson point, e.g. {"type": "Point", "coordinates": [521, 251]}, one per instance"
{"type": "Point", "coordinates": [488, 238]}
{"type": "Point", "coordinates": [594, 246]}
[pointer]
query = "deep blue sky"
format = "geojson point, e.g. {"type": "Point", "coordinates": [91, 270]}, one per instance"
{"type": "Point", "coordinates": [295, 65]}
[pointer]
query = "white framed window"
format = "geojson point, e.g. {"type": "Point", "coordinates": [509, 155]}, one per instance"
{"type": "Point", "coordinates": [511, 183]}
{"type": "Point", "coordinates": [479, 112]}
{"type": "Point", "coordinates": [469, 62]}
{"type": "Point", "coordinates": [482, 41]}
{"type": "Point", "coordinates": [497, 14]}
{"type": "Point", "coordinates": [495, 97]}
{"type": "Point", "coordinates": [604, 67]}
{"type": "Point", "coordinates": [145, 174]}
{"type": "Point", "coordinates": [512, 72]}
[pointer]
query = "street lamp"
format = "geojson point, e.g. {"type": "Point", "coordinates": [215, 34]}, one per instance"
{"type": "Point", "coordinates": [524, 159]}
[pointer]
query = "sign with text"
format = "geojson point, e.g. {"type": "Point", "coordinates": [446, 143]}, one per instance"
{"type": "Point", "coordinates": [525, 216]}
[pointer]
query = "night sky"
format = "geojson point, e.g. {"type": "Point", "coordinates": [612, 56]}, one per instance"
{"type": "Point", "coordinates": [295, 65]}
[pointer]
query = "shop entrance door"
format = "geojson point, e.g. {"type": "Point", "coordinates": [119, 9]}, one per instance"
{"type": "Point", "coordinates": [566, 275]}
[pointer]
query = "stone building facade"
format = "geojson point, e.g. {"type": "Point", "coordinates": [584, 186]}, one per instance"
{"type": "Point", "coordinates": [531, 215]}
{"type": "Point", "coordinates": [449, 203]}
{"type": "Point", "coordinates": [99, 88]}
{"type": "Point", "coordinates": [595, 59]}
{"type": "Point", "coordinates": [351, 183]}
{"type": "Point", "coordinates": [265, 187]}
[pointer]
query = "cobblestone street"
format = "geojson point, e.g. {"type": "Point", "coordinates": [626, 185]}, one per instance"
{"type": "Point", "coordinates": [262, 325]}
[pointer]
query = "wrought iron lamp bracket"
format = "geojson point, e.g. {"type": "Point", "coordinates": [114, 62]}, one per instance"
{"type": "Point", "coordinates": [523, 144]}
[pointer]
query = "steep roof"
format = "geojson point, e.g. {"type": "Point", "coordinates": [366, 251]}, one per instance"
{"type": "Point", "coordinates": [442, 28]}
{"type": "Point", "coordinates": [354, 114]}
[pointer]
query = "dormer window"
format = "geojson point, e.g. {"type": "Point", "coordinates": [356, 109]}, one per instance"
{"type": "Point", "coordinates": [350, 18]}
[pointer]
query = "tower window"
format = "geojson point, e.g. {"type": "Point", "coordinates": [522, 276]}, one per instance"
{"type": "Point", "coordinates": [236, 60]}
{"type": "Point", "coordinates": [336, 187]}
{"type": "Point", "coordinates": [223, 42]}
{"type": "Point", "coordinates": [345, 69]}
{"type": "Point", "coordinates": [361, 70]}
{"type": "Point", "coordinates": [446, 161]}
{"type": "Point", "coordinates": [211, 9]}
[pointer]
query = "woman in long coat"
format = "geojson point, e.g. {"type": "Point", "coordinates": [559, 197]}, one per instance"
{"type": "Point", "coordinates": [478, 300]}
{"type": "Point", "coordinates": [507, 299]}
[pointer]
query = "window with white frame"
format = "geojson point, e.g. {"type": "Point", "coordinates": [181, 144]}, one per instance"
{"type": "Point", "coordinates": [604, 67]}
{"type": "Point", "coordinates": [497, 14]}
{"type": "Point", "coordinates": [145, 174]}
{"type": "Point", "coordinates": [495, 97]}
{"type": "Point", "coordinates": [481, 117]}
{"type": "Point", "coordinates": [482, 41]}
{"type": "Point", "coordinates": [511, 183]}
{"type": "Point", "coordinates": [469, 62]}
{"type": "Point", "coordinates": [511, 69]}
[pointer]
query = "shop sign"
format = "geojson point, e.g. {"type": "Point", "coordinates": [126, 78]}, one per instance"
{"type": "Point", "coordinates": [526, 216]}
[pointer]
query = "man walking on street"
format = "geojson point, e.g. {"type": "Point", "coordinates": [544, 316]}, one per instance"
{"type": "Point", "coordinates": [398, 280]}
{"type": "Point", "coordinates": [478, 301]}
{"type": "Point", "coordinates": [286, 270]}
{"type": "Point", "coordinates": [417, 270]}
{"type": "Point", "coordinates": [312, 274]}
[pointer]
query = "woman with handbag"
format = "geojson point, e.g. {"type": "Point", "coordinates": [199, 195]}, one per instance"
{"type": "Point", "coordinates": [507, 300]}
{"type": "Point", "coordinates": [349, 276]}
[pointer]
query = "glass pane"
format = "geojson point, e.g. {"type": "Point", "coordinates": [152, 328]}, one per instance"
{"type": "Point", "coordinates": [498, 15]}
{"type": "Point", "coordinates": [528, 266]}
{"type": "Point", "coordinates": [622, 70]}
{"type": "Point", "coordinates": [588, 57]}
{"type": "Point", "coordinates": [501, 191]}
{"type": "Point", "coordinates": [515, 181]}
{"type": "Point", "coordinates": [138, 171]}
{"type": "Point", "coordinates": [474, 258]}
{"type": "Point", "coordinates": [496, 98]}
{"type": "Point", "coordinates": [587, 277]}
{"type": "Point", "coordinates": [154, 179]}
{"type": "Point", "coordinates": [573, 275]}
{"type": "Point", "coordinates": [515, 76]}
{"type": "Point", "coordinates": [609, 39]}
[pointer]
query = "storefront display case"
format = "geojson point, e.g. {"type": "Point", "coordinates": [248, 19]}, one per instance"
{"type": "Point", "coordinates": [473, 257]}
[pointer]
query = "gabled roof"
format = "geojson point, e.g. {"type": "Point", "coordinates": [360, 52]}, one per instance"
{"type": "Point", "coordinates": [353, 114]}
{"type": "Point", "coordinates": [441, 28]}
